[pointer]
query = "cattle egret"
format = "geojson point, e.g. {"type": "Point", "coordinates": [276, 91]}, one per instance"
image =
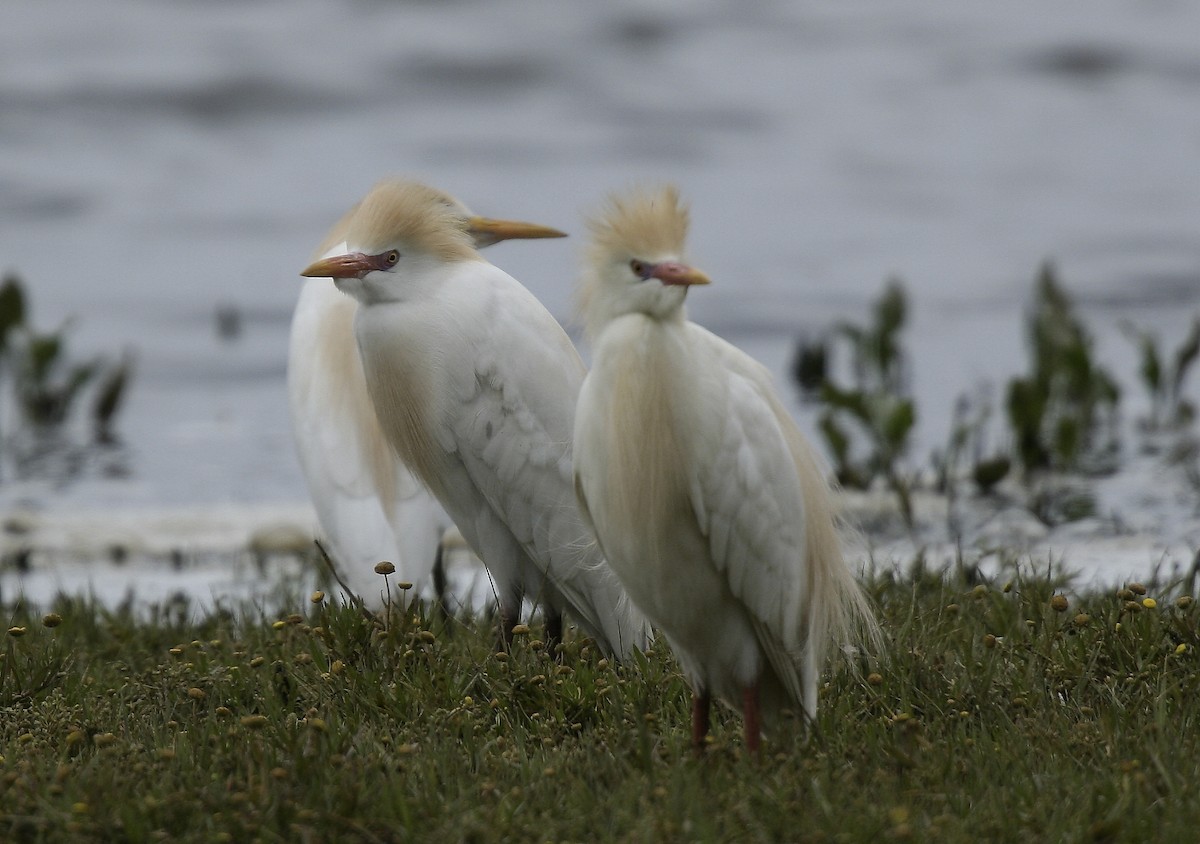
{"type": "Point", "coordinates": [706, 499]}
{"type": "Point", "coordinates": [474, 384]}
{"type": "Point", "coordinates": [369, 506]}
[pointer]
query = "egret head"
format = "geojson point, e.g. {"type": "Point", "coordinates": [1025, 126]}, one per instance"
{"type": "Point", "coordinates": [404, 230]}
{"type": "Point", "coordinates": [635, 261]}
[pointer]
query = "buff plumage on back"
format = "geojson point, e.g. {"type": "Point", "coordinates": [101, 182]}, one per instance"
{"type": "Point", "coordinates": [414, 214]}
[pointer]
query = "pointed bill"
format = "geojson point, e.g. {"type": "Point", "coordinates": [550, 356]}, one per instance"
{"type": "Point", "coordinates": [672, 272]}
{"type": "Point", "coordinates": [353, 265]}
{"type": "Point", "coordinates": [487, 230]}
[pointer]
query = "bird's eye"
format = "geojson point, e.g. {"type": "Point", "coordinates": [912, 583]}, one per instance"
{"type": "Point", "coordinates": [640, 269]}
{"type": "Point", "coordinates": [390, 259]}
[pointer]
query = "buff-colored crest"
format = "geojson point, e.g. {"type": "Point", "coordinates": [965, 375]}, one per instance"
{"type": "Point", "coordinates": [398, 211]}
{"type": "Point", "coordinates": [646, 224]}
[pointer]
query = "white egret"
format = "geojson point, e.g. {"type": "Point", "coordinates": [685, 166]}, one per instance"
{"type": "Point", "coordinates": [474, 384]}
{"type": "Point", "coordinates": [706, 499]}
{"type": "Point", "coordinates": [369, 506]}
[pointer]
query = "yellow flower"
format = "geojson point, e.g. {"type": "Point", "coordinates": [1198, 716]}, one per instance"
{"type": "Point", "coordinates": [1149, 603]}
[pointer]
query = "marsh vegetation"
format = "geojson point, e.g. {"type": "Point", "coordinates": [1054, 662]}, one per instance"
{"type": "Point", "coordinates": [1006, 710]}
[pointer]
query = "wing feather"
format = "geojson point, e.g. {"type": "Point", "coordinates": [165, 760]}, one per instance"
{"type": "Point", "coordinates": [512, 430]}
{"type": "Point", "coordinates": [838, 609]}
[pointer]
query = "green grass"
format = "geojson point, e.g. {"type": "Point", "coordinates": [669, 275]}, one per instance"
{"type": "Point", "coordinates": [991, 716]}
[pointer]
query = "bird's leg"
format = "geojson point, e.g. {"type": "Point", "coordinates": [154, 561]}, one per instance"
{"type": "Point", "coordinates": [510, 614]}
{"type": "Point", "coordinates": [554, 632]}
{"type": "Point", "coordinates": [508, 620]}
{"type": "Point", "coordinates": [752, 717]}
{"type": "Point", "coordinates": [440, 588]}
{"type": "Point", "coordinates": [701, 703]}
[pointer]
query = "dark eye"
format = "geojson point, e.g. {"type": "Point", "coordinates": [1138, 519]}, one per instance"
{"type": "Point", "coordinates": [640, 268]}
{"type": "Point", "coordinates": [390, 259]}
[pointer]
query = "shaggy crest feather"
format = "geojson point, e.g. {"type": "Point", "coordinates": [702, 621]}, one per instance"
{"type": "Point", "coordinates": [425, 218]}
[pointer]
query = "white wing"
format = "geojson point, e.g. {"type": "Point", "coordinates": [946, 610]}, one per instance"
{"type": "Point", "coordinates": [750, 505]}
{"type": "Point", "coordinates": [512, 432]}
{"type": "Point", "coordinates": [813, 575]}
{"type": "Point", "coordinates": [369, 506]}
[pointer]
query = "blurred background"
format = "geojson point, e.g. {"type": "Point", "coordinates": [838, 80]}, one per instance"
{"type": "Point", "coordinates": [167, 167]}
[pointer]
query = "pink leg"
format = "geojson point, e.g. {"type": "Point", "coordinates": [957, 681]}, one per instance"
{"type": "Point", "coordinates": [701, 703]}
{"type": "Point", "coordinates": [752, 717]}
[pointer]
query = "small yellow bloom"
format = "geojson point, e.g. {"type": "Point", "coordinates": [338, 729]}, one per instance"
{"type": "Point", "coordinates": [404, 585]}
{"type": "Point", "coordinates": [520, 630]}
{"type": "Point", "coordinates": [1059, 603]}
{"type": "Point", "coordinates": [16, 632]}
{"type": "Point", "coordinates": [317, 597]}
{"type": "Point", "coordinates": [1149, 603]}
{"type": "Point", "coordinates": [278, 625]}
{"type": "Point", "coordinates": [1181, 649]}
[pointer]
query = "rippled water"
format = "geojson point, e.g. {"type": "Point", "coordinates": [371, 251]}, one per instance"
{"type": "Point", "coordinates": [160, 160]}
